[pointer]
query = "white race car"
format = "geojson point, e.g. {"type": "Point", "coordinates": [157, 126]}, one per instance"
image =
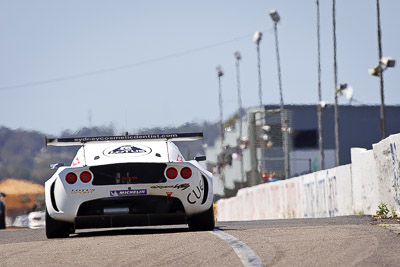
{"type": "Point", "coordinates": [132, 180]}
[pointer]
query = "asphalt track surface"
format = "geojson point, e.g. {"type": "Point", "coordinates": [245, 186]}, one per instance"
{"type": "Point", "coordinates": [340, 241]}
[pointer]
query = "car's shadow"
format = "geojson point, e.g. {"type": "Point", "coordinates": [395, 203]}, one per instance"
{"type": "Point", "coordinates": [131, 231]}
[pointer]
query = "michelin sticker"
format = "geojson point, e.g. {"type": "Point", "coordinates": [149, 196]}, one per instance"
{"type": "Point", "coordinates": [127, 151]}
{"type": "Point", "coordinates": [132, 192]}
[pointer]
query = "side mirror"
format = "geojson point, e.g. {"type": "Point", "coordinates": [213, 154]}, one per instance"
{"type": "Point", "coordinates": [200, 158]}
{"type": "Point", "coordinates": [56, 165]}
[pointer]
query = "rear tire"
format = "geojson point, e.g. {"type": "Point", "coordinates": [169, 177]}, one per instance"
{"type": "Point", "coordinates": [203, 221]}
{"type": "Point", "coordinates": [56, 229]}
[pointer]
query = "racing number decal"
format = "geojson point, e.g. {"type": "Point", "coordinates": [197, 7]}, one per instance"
{"type": "Point", "coordinates": [196, 193]}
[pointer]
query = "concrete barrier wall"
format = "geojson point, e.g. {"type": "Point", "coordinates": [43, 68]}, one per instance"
{"type": "Point", "coordinates": [373, 177]}
{"type": "Point", "coordinates": [345, 188]}
{"type": "Point", "coordinates": [364, 181]}
{"type": "Point", "coordinates": [386, 156]}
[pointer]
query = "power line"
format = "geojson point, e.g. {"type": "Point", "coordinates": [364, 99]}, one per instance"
{"type": "Point", "coordinates": [122, 67]}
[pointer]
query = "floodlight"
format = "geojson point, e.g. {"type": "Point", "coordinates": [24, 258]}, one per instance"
{"type": "Point", "coordinates": [257, 37]}
{"type": "Point", "coordinates": [341, 87]}
{"type": "Point", "coordinates": [266, 128]}
{"type": "Point", "coordinates": [384, 63]}
{"type": "Point", "coordinates": [238, 56]}
{"type": "Point", "coordinates": [389, 62]}
{"type": "Point", "coordinates": [275, 16]}
{"type": "Point", "coordinates": [324, 104]}
{"type": "Point", "coordinates": [375, 71]}
{"type": "Point", "coordinates": [220, 71]}
{"type": "Point", "coordinates": [244, 138]}
{"type": "Point", "coordinates": [346, 90]}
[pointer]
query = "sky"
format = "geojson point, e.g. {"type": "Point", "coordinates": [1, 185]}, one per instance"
{"type": "Point", "coordinates": [141, 64]}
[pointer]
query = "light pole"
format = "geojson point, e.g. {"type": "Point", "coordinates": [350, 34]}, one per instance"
{"type": "Point", "coordinates": [220, 73]}
{"type": "Point", "coordinates": [257, 39]}
{"type": "Point", "coordinates": [382, 111]}
{"type": "Point", "coordinates": [276, 18]}
{"type": "Point", "coordinates": [319, 107]}
{"type": "Point", "coordinates": [378, 71]}
{"type": "Point", "coordinates": [337, 144]}
{"type": "Point", "coordinates": [238, 57]}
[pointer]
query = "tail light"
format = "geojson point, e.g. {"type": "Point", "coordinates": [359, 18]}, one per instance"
{"type": "Point", "coordinates": [186, 173]}
{"type": "Point", "coordinates": [171, 173]}
{"type": "Point", "coordinates": [85, 177]}
{"type": "Point", "coordinates": [71, 178]}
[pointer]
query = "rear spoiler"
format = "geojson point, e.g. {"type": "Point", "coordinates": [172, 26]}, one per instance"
{"type": "Point", "coordinates": [79, 141]}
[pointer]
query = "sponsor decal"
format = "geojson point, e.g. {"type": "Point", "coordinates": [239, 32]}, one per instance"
{"type": "Point", "coordinates": [176, 186]}
{"type": "Point", "coordinates": [82, 191]}
{"type": "Point", "coordinates": [76, 162]}
{"type": "Point", "coordinates": [127, 150]}
{"type": "Point", "coordinates": [169, 194]}
{"type": "Point", "coordinates": [129, 137]}
{"type": "Point", "coordinates": [131, 192]}
{"type": "Point", "coordinates": [179, 158]}
{"type": "Point", "coordinates": [196, 193]}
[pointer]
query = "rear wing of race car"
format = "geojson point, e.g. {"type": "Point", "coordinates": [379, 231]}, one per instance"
{"type": "Point", "coordinates": [80, 141]}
